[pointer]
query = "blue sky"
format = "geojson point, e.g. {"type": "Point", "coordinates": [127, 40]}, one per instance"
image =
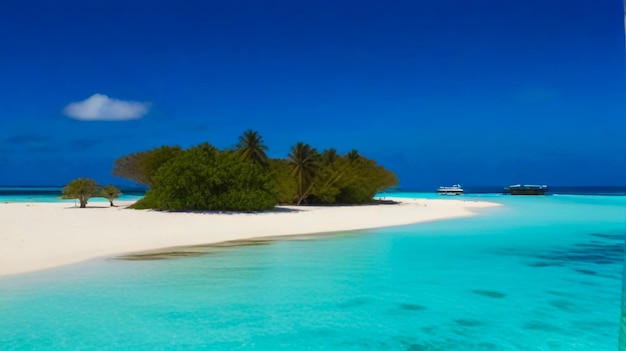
{"type": "Point", "coordinates": [472, 92]}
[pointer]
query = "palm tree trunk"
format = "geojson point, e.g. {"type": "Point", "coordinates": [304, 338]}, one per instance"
{"type": "Point", "coordinates": [305, 194]}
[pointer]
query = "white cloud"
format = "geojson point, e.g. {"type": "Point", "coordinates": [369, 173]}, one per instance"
{"type": "Point", "coordinates": [100, 107]}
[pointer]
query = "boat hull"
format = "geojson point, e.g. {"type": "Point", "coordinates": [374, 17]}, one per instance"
{"type": "Point", "coordinates": [526, 190]}
{"type": "Point", "coordinates": [449, 192]}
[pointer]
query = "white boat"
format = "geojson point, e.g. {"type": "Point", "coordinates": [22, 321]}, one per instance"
{"type": "Point", "coordinates": [450, 190]}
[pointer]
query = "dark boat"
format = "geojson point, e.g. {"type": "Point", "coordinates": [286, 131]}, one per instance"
{"type": "Point", "coordinates": [520, 189]}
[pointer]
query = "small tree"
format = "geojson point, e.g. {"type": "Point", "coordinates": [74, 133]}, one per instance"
{"type": "Point", "coordinates": [140, 167]}
{"type": "Point", "coordinates": [82, 189]}
{"type": "Point", "coordinates": [110, 192]}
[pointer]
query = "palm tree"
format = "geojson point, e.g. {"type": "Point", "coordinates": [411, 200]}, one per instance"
{"type": "Point", "coordinates": [305, 161]}
{"type": "Point", "coordinates": [252, 148]}
{"type": "Point", "coordinates": [329, 156]}
{"type": "Point", "coordinates": [353, 155]}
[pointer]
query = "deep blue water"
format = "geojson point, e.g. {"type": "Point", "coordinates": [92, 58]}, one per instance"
{"type": "Point", "coordinates": [538, 273]}
{"type": "Point", "coordinates": [47, 193]}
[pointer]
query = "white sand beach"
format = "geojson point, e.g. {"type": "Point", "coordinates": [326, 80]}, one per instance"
{"type": "Point", "coordinates": [35, 236]}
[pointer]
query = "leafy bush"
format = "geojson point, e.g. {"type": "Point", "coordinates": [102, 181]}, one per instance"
{"type": "Point", "coordinates": [282, 183]}
{"type": "Point", "coordinates": [363, 179]}
{"type": "Point", "coordinates": [204, 178]}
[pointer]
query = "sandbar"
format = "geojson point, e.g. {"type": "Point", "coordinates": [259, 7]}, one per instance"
{"type": "Point", "coordinates": [37, 235]}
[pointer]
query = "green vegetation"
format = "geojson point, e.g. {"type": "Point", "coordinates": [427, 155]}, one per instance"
{"type": "Point", "coordinates": [282, 183]}
{"type": "Point", "coordinates": [140, 167]}
{"type": "Point", "coordinates": [110, 193]}
{"type": "Point", "coordinates": [251, 148]}
{"type": "Point", "coordinates": [82, 189]}
{"type": "Point", "coordinates": [246, 179]}
{"type": "Point", "coordinates": [205, 178]}
{"type": "Point", "coordinates": [305, 165]}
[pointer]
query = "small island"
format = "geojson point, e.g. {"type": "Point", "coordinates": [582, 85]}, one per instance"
{"type": "Point", "coordinates": [205, 178]}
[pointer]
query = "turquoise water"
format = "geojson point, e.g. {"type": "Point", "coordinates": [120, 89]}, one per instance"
{"type": "Point", "coordinates": [539, 273]}
{"type": "Point", "coordinates": [57, 198]}
{"type": "Point", "coordinates": [53, 194]}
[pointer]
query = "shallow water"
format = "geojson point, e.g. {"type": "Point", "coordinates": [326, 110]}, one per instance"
{"type": "Point", "coordinates": [539, 273]}
{"type": "Point", "coordinates": [53, 194]}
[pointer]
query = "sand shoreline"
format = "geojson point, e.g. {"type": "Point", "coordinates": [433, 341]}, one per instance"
{"type": "Point", "coordinates": [36, 236]}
